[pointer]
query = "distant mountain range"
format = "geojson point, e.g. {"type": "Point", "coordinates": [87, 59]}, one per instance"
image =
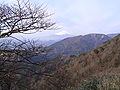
{"type": "Point", "coordinates": [56, 37]}
{"type": "Point", "coordinates": [75, 45]}
{"type": "Point", "coordinates": [49, 40]}
{"type": "Point", "coordinates": [112, 35]}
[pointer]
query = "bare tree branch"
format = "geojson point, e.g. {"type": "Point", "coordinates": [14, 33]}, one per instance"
{"type": "Point", "coordinates": [23, 17]}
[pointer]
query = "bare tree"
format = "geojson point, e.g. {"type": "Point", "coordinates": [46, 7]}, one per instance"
{"type": "Point", "coordinates": [15, 58]}
{"type": "Point", "coordinates": [23, 17]}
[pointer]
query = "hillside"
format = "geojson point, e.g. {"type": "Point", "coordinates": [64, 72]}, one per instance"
{"type": "Point", "coordinates": [77, 45]}
{"type": "Point", "coordinates": [105, 59]}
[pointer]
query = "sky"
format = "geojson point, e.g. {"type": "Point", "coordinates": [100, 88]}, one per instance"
{"type": "Point", "coordinates": [80, 17]}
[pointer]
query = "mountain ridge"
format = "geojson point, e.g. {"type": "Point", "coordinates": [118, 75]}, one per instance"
{"type": "Point", "coordinates": [77, 45]}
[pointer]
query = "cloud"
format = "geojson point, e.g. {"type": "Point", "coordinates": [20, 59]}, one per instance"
{"type": "Point", "coordinates": [62, 33]}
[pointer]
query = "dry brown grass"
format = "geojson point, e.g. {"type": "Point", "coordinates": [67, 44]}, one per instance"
{"type": "Point", "coordinates": [103, 82]}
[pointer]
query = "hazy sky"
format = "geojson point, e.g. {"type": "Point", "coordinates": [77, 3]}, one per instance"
{"type": "Point", "coordinates": [78, 17]}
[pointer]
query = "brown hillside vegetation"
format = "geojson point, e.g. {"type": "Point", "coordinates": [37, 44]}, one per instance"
{"type": "Point", "coordinates": [102, 60]}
